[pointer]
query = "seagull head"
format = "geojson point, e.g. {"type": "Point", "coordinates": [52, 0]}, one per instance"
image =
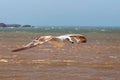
{"type": "Point", "coordinates": [82, 39]}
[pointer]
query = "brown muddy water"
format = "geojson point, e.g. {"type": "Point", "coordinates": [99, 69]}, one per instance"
{"type": "Point", "coordinates": [98, 59]}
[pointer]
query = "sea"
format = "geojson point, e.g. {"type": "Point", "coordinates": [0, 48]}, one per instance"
{"type": "Point", "coordinates": [98, 59]}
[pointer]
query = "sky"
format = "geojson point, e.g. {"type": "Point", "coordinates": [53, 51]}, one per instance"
{"type": "Point", "coordinates": [61, 12]}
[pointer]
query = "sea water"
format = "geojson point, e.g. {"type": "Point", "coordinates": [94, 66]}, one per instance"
{"type": "Point", "coordinates": [98, 59]}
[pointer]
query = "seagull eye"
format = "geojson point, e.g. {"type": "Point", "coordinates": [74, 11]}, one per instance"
{"type": "Point", "coordinates": [67, 39]}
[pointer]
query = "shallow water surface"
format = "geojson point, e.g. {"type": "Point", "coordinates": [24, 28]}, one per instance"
{"type": "Point", "coordinates": [98, 59]}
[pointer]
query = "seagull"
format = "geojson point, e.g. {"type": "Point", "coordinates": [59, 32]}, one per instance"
{"type": "Point", "coordinates": [56, 40]}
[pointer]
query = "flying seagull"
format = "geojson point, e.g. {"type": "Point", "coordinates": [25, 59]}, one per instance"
{"type": "Point", "coordinates": [57, 40]}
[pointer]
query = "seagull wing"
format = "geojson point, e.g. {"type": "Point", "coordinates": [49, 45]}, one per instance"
{"type": "Point", "coordinates": [78, 37]}
{"type": "Point", "coordinates": [21, 48]}
{"type": "Point", "coordinates": [29, 45]}
{"type": "Point", "coordinates": [34, 43]}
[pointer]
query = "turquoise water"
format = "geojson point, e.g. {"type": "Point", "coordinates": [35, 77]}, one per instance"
{"type": "Point", "coordinates": [63, 29]}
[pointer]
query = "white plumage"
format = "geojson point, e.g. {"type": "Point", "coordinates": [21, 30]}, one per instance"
{"type": "Point", "coordinates": [56, 40]}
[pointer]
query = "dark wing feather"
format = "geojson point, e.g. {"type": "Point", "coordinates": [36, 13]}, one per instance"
{"type": "Point", "coordinates": [32, 44]}
{"type": "Point", "coordinates": [24, 47]}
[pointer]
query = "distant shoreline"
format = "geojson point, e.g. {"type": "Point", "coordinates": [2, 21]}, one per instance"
{"type": "Point", "coordinates": [4, 25]}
